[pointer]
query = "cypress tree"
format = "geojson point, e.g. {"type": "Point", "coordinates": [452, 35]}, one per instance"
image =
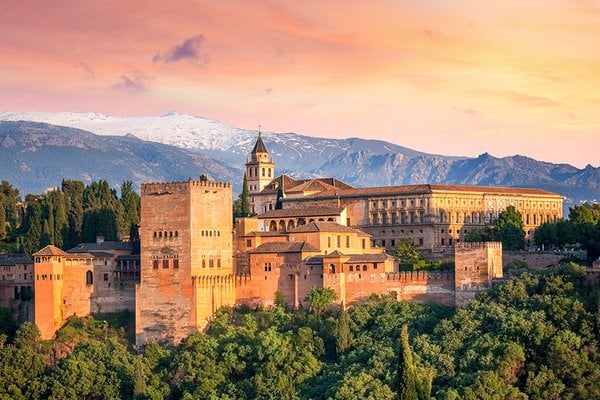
{"type": "Point", "coordinates": [244, 197]}
{"type": "Point", "coordinates": [2, 220]}
{"type": "Point", "coordinates": [46, 238]}
{"type": "Point", "coordinates": [34, 227]}
{"type": "Point", "coordinates": [407, 385]}
{"type": "Point", "coordinates": [344, 336]}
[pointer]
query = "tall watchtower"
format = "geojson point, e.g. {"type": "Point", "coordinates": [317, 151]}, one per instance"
{"type": "Point", "coordinates": [48, 273]}
{"type": "Point", "coordinates": [260, 169]}
{"type": "Point", "coordinates": [186, 260]}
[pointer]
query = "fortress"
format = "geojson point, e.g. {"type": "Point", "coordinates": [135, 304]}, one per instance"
{"type": "Point", "coordinates": [308, 233]}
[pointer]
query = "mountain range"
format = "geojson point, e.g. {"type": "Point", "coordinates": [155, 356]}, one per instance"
{"type": "Point", "coordinates": [42, 148]}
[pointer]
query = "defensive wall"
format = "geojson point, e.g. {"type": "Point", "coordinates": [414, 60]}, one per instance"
{"type": "Point", "coordinates": [534, 259]}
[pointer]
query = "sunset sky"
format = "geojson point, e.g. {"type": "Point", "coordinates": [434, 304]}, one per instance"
{"type": "Point", "coordinates": [449, 77]}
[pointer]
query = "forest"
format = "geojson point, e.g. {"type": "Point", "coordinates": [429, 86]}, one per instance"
{"type": "Point", "coordinates": [534, 336]}
{"type": "Point", "coordinates": [67, 215]}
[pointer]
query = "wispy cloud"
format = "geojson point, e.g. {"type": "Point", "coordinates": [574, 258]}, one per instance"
{"type": "Point", "coordinates": [190, 50]}
{"type": "Point", "coordinates": [137, 82]}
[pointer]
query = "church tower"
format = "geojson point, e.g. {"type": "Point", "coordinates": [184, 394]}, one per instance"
{"type": "Point", "coordinates": [260, 170]}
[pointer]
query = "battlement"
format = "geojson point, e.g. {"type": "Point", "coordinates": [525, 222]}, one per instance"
{"type": "Point", "coordinates": [408, 276]}
{"type": "Point", "coordinates": [156, 188]}
{"type": "Point", "coordinates": [465, 246]}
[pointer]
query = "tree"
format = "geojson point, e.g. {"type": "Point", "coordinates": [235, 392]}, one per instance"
{"type": "Point", "coordinates": [241, 206]}
{"type": "Point", "coordinates": [585, 214]}
{"type": "Point", "coordinates": [508, 229]}
{"type": "Point", "coordinates": [406, 251]}
{"type": "Point", "coordinates": [73, 191]}
{"type": "Point", "coordinates": [320, 300]}
{"type": "Point", "coordinates": [407, 379]}
{"type": "Point", "coordinates": [34, 227]}
{"type": "Point", "coordinates": [344, 336]}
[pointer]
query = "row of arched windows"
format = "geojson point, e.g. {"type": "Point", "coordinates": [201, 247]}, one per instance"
{"type": "Point", "coordinates": [210, 233]}
{"type": "Point", "coordinates": [165, 234]}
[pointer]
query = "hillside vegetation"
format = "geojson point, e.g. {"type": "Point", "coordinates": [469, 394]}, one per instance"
{"type": "Point", "coordinates": [533, 337]}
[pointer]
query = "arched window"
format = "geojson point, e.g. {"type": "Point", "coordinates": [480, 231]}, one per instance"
{"type": "Point", "coordinates": [273, 226]}
{"type": "Point", "coordinates": [263, 172]}
{"type": "Point", "coordinates": [290, 225]}
{"type": "Point", "coordinates": [89, 278]}
{"type": "Point", "coordinates": [176, 234]}
{"type": "Point", "coordinates": [364, 267]}
{"type": "Point", "coordinates": [170, 234]}
{"type": "Point", "coordinates": [154, 233]}
{"type": "Point", "coordinates": [282, 225]}
{"type": "Point", "coordinates": [351, 268]}
{"type": "Point", "coordinates": [160, 234]}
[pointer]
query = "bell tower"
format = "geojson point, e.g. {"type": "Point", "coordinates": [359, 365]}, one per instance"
{"type": "Point", "coordinates": [260, 170]}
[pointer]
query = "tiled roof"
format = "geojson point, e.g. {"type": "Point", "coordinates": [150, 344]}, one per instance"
{"type": "Point", "coordinates": [314, 260]}
{"type": "Point", "coordinates": [335, 253]}
{"type": "Point", "coordinates": [14, 259]}
{"type": "Point", "coordinates": [358, 258]}
{"type": "Point", "coordinates": [291, 185]}
{"type": "Point", "coordinates": [321, 226]}
{"type": "Point", "coordinates": [285, 247]}
{"type": "Point", "coordinates": [104, 246]}
{"type": "Point", "coordinates": [301, 212]}
{"type": "Point", "coordinates": [428, 189]}
{"type": "Point", "coordinates": [50, 250]}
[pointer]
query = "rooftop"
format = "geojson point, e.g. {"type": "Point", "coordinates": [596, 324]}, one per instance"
{"type": "Point", "coordinates": [321, 226]}
{"type": "Point", "coordinates": [285, 247]}
{"type": "Point", "coordinates": [428, 189]}
{"type": "Point", "coordinates": [100, 247]}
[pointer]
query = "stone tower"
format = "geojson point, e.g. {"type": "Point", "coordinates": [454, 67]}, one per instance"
{"type": "Point", "coordinates": [475, 266]}
{"type": "Point", "coordinates": [48, 273]}
{"type": "Point", "coordinates": [186, 261]}
{"type": "Point", "coordinates": [260, 170]}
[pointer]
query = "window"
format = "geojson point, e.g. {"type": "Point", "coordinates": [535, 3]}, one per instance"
{"type": "Point", "coordinates": [364, 267]}
{"type": "Point", "coordinates": [263, 172]}
{"type": "Point", "coordinates": [248, 242]}
{"type": "Point", "coordinates": [105, 277]}
{"type": "Point", "coordinates": [218, 263]}
{"type": "Point", "coordinates": [364, 243]}
{"type": "Point", "coordinates": [347, 241]}
{"type": "Point", "coordinates": [89, 278]}
{"type": "Point", "coordinates": [155, 264]}
{"type": "Point", "coordinates": [204, 263]}
{"type": "Point", "coordinates": [176, 263]}
{"type": "Point", "coordinates": [165, 264]}
{"type": "Point", "coordinates": [338, 241]}
{"type": "Point", "coordinates": [351, 268]}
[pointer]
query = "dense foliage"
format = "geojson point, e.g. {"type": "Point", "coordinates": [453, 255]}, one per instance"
{"type": "Point", "coordinates": [533, 337]}
{"type": "Point", "coordinates": [68, 215]}
{"type": "Point", "coordinates": [582, 229]}
{"type": "Point", "coordinates": [507, 228]}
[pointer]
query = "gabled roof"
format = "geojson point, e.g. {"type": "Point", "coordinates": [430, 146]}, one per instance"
{"type": "Point", "coordinates": [285, 247]}
{"type": "Point", "coordinates": [50, 250]}
{"type": "Point", "coordinates": [321, 226]}
{"type": "Point", "coordinates": [259, 146]}
{"type": "Point", "coordinates": [291, 185]}
{"type": "Point", "coordinates": [335, 253]}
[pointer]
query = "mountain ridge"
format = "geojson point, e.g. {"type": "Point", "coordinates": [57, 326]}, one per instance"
{"type": "Point", "coordinates": [360, 162]}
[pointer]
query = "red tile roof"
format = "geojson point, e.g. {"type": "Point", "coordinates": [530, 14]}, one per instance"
{"type": "Point", "coordinates": [50, 250]}
{"type": "Point", "coordinates": [428, 189]}
{"type": "Point", "coordinates": [285, 247]}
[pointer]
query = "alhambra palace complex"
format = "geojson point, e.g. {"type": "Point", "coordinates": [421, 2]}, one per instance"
{"type": "Point", "coordinates": [307, 233]}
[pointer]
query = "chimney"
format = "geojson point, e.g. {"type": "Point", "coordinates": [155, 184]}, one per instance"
{"type": "Point", "coordinates": [99, 239]}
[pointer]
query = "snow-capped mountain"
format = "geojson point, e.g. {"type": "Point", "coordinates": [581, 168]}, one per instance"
{"type": "Point", "coordinates": [359, 162]}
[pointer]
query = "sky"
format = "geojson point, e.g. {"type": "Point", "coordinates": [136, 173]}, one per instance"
{"type": "Point", "coordinates": [457, 77]}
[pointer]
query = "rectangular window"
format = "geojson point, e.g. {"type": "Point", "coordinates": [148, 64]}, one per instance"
{"type": "Point", "coordinates": [364, 243]}
{"type": "Point", "coordinates": [347, 241]}
{"type": "Point", "coordinates": [248, 242]}
{"type": "Point", "coordinates": [105, 277]}
{"type": "Point", "coordinates": [165, 264]}
{"type": "Point", "coordinates": [176, 263]}
{"type": "Point", "coordinates": [339, 242]}
{"type": "Point", "coordinates": [155, 264]}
